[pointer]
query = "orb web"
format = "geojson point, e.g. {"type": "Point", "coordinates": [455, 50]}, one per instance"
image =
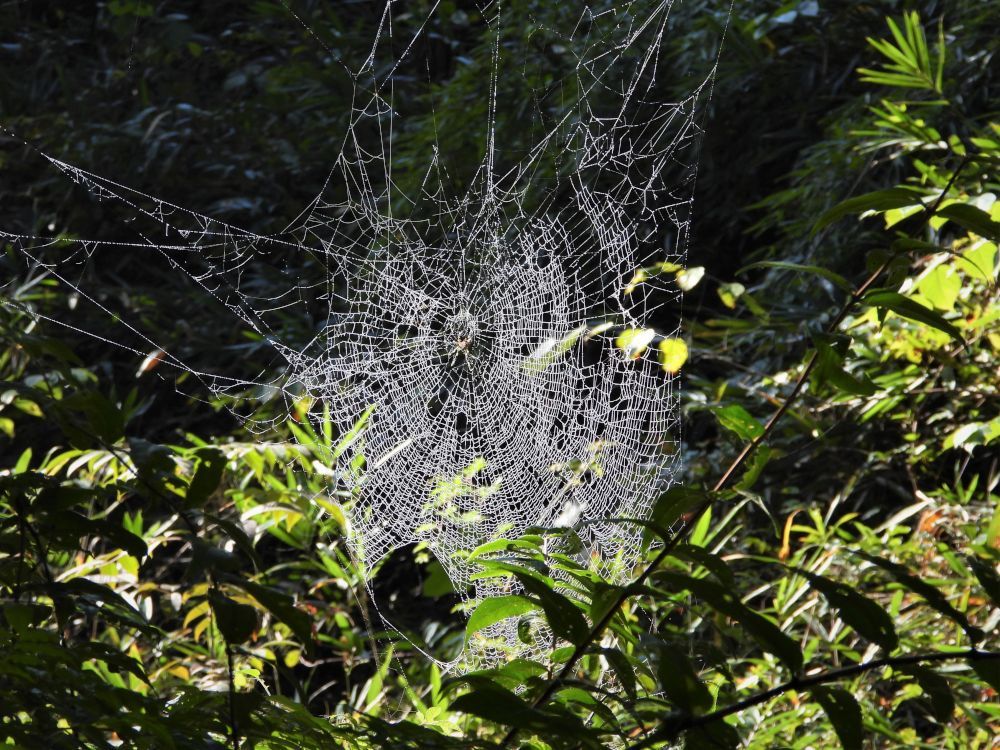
{"type": "Point", "coordinates": [463, 330]}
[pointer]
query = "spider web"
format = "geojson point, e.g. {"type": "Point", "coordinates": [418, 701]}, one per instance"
{"type": "Point", "coordinates": [464, 331]}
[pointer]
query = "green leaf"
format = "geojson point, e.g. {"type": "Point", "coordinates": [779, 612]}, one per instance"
{"type": "Point", "coordinates": [680, 682]}
{"type": "Point", "coordinates": [755, 465]}
{"type": "Point", "coordinates": [834, 278]}
{"type": "Point", "coordinates": [738, 420]}
{"type": "Point", "coordinates": [935, 687]}
{"type": "Point", "coordinates": [844, 713]}
{"type": "Point", "coordinates": [907, 308]}
{"type": "Point", "coordinates": [237, 622]}
{"type": "Point", "coordinates": [634, 341]}
{"type": "Point", "coordinates": [494, 609]}
{"type": "Point", "coordinates": [723, 599]}
{"type": "Point", "coordinates": [563, 616]}
{"type": "Point", "coordinates": [866, 617]}
{"type": "Point", "coordinates": [971, 218]}
{"type": "Point", "coordinates": [880, 200]}
{"type": "Point", "coordinates": [941, 287]}
{"type": "Point", "coordinates": [934, 598]}
{"type": "Point", "coordinates": [625, 671]}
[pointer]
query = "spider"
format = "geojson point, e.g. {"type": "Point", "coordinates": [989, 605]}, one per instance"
{"type": "Point", "coordinates": [461, 349]}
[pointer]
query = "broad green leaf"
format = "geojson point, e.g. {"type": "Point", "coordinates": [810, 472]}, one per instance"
{"type": "Point", "coordinates": [755, 465]}
{"type": "Point", "coordinates": [738, 420]}
{"type": "Point", "coordinates": [494, 609]}
{"type": "Point", "coordinates": [723, 599]}
{"type": "Point", "coordinates": [829, 370]}
{"type": "Point", "coordinates": [934, 598]}
{"type": "Point", "coordinates": [844, 714]}
{"type": "Point", "coordinates": [826, 273]}
{"type": "Point", "coordinates": [941, 286]}
{"type": "Point", "coordinates": [715, 736]}
{"type": "Point", "coordinates": [880, 200]}
{"type": "Point", "coordinates": [489, 701]}
{"type": "Point", "coordinates": [979, 261]}
{"type": "Point", "coordinates": [673, 354]}
{"type": "Point", "coordinates": [624, 669]}
{"type": "Point", "coordinates": [710, 562]}
{"type": "Point", "coordinates": [867, 618]}
{"type": "Point", "coordinates": [907, 308]}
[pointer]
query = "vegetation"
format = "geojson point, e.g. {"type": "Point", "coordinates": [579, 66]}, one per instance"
{"type": "Point", "coordinates": [827, 574]}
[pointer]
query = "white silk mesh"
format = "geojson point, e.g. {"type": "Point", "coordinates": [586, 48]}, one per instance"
{"type": "Point", "coordinates": [464, 333]}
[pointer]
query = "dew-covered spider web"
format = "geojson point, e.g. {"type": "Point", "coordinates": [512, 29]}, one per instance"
{"type": "Point", "coordinates": [485, 339]}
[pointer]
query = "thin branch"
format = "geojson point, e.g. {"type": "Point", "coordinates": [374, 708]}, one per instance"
{"type": "Point", "coordinates": [804, 683]}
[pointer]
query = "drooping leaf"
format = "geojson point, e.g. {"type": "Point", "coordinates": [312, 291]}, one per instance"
{"type": "Point", "coordinates": [972, 218]}
{"type": "Point", "coordinates": [715, 736]}
{"type": "Point", "coordinates": [880, 200]}
{"type": "Point", "coordinates": [988, 670]}
{"type": "Point", "coordinates": [844, 714]}
{"type": "Point", "coordinates": [866, 617]}
{"type": "Point", "coordinates": [988, 577]}
{"type": "Point", "coordinates": [211, 463]}
{"type": "Point", "coordinates": [723, 599]}
{"type": "Point", "coordinates": [282, 606]}
{"type": "Point", "coordinates": [669, 507]}
{"type": "Point", "coordinates": [934, 598]}
{"type": "Point", "coordinates": [907, 308]}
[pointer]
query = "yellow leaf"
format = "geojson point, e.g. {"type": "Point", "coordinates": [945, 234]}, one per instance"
{"type": "Point", "coordinates": [673, 354]}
